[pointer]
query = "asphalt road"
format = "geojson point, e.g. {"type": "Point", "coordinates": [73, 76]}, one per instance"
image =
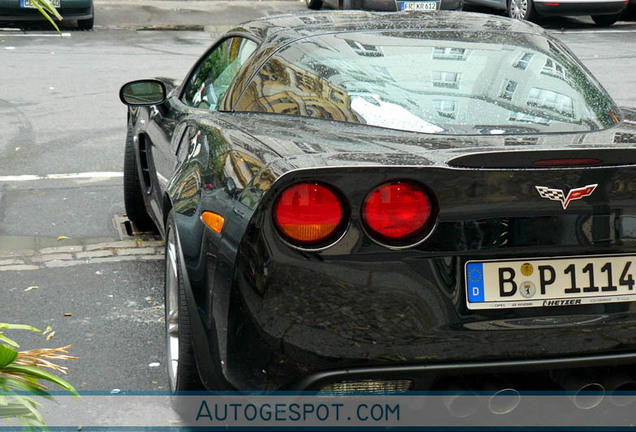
{"type": "Point", "coordinates": [64, 260]}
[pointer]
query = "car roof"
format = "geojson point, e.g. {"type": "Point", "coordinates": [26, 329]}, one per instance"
{"type": "Point", "coordinates": [282, 29]}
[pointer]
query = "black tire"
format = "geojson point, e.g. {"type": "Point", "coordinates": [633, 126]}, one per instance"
{"type": "Point", "coordinates": [521, 9]}
{"type": "Point", "coordinates": [183, 373]}
{"type": "Point", "coordinates": [605, 20]}
{"type": "Point", "coordinates": [314, 4]}
{"type": "Point", "coordinates": [87, 24]}
{"type": "Point", "coordinates": [182, 370]}
{"type": "Point", "coordinates": [133, 189]}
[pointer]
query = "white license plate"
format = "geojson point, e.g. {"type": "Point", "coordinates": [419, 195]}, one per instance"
{"type": "Point", "coordinates": [546, 282]}
{"type": "Point", "coordinates": [420, 5]}
{"type": "Point", "coordinates": [29, 3]}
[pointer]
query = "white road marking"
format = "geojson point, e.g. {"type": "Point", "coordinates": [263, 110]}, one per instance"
{"type": "Point", "coordinates": [99, 175]}
{"type": "Point", "coordinates": [6, 33]}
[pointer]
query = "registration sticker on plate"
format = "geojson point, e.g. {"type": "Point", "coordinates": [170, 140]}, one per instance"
{"type": "Point", "coordinates": [420, 5]}
{"type": "Point", "coordinates": [541, 282]}
{"type": "Point", "coordinates": [29, 4]}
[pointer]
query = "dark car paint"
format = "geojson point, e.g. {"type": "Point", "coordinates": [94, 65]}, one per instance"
{"type": "Point", "coordinates": [273, 315]}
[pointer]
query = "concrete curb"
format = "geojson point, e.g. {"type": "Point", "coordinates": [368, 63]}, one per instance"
{"type": "Point", "coordinates": [72, 255]}
{"type": "Point", "coordinates": [213, 16]}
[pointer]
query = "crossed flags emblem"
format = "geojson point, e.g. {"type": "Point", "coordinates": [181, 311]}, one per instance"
{"type": "Point", "coordinates": [558, 195]}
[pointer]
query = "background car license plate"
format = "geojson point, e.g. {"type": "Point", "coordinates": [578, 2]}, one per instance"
{"type": "Point", "coordinates": [561, 281]}
{"type": "Point", "coordinates": [419, 5]}
{"type": "Point", "coordinates": [29, 3]}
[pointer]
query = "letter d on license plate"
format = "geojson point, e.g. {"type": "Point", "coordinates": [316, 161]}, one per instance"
{"type": "Point", "coordinates": [558, 281]}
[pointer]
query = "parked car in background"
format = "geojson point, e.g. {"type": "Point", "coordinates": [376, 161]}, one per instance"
{"type": "Point", "coordinates": [20, 11]}
{"type": "Point", "coordinates": [603, 12]}
{"type": "Point", "coordinates": [387, 5]}
{"type": "Point", "coordinates": [388, 202]}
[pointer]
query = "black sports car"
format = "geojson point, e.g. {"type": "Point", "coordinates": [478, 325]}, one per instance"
{"type": "Point", "coordinates": [388, 202]}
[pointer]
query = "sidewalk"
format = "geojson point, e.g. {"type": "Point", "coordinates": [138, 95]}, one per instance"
{"type": "Point", "coordinates": [208, 15]}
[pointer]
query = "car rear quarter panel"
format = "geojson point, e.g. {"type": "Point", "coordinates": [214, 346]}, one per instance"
{"type": "Point", "coordinates": [359, 303]}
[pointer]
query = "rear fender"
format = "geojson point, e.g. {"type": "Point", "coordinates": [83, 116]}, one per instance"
{"type": "Point", "coordinates": [207, 360]}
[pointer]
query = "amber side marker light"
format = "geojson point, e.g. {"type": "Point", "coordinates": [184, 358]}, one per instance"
{"type": "Point", "coordinates": [214, 221]}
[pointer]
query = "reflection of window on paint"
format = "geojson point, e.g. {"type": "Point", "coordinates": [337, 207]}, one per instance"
{"type": "Point", "coordinates": [446, 108]}
{"type": "Point", "coordinates": [554, 69]}
{"type": "Point", "coordinates": [446, 79]}
{"type": "Point", "coordinates": [527, 118]}
{"type": "Point", "coordinates": [305, 82]}
{"type": "Point", "coordinates": [441, 53]}
{"type": "Point", "coordinates": [338, 96]}
{"type": "Point", "coordinates": [552, 101]}
{"type": "Point", "coordinates": [364, 49]}
{"type": "Point", "coordinates": [524, 61]}
{"type": "Point", "coordinates": [508, 90]}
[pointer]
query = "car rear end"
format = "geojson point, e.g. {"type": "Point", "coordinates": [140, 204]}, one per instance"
{"type": "Point", "coordinates": [497, 278]}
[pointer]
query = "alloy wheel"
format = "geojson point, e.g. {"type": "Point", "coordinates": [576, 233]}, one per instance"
{"type": "Point", "coordinates": [518, 9]}
{"type": "Point", "coordinates": [172, 309]}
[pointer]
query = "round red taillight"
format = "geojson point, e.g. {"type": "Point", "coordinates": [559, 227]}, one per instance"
{"type": "Point", "coordinates": [308, 214]}
{"type": "Point", "coordinates": [397, 212]}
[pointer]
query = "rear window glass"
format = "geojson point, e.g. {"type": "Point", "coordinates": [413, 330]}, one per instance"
{"type": "Point", "coordinates": [433, 82]}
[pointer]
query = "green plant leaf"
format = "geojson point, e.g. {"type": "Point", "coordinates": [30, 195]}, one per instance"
{"type": "Point", "coordinates": [8, 341]}
{"type": "Point", "coordinates": [41, 374]}
{"type": "Point", "coordinates": [5, 326]}
{"type": "Point", "coordinates": [8, 384]}
{"type": "Point", "coordinates": [7, 355]}
{"type": "Point", "coordinates": [22, 407]}
{"type": "Point", "coordinates": [47, 10]}
{"type": "Point", "coordinates": [13, 410]}
{"type": "Point", "coordinates": [48, 6]}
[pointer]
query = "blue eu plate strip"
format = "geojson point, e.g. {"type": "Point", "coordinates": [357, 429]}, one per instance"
{"type": "Point", "coordinates": [475, 282]}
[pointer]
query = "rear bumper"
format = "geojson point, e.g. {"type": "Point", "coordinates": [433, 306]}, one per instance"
{"type": "Point", "coordinates": [73, 12]}
{"type": "Point", "coordinates": [271, 355]}
{"type": "Point", "coordinates": [580, 8]}
{"type": "Point", "coordinates": [309, 341]}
